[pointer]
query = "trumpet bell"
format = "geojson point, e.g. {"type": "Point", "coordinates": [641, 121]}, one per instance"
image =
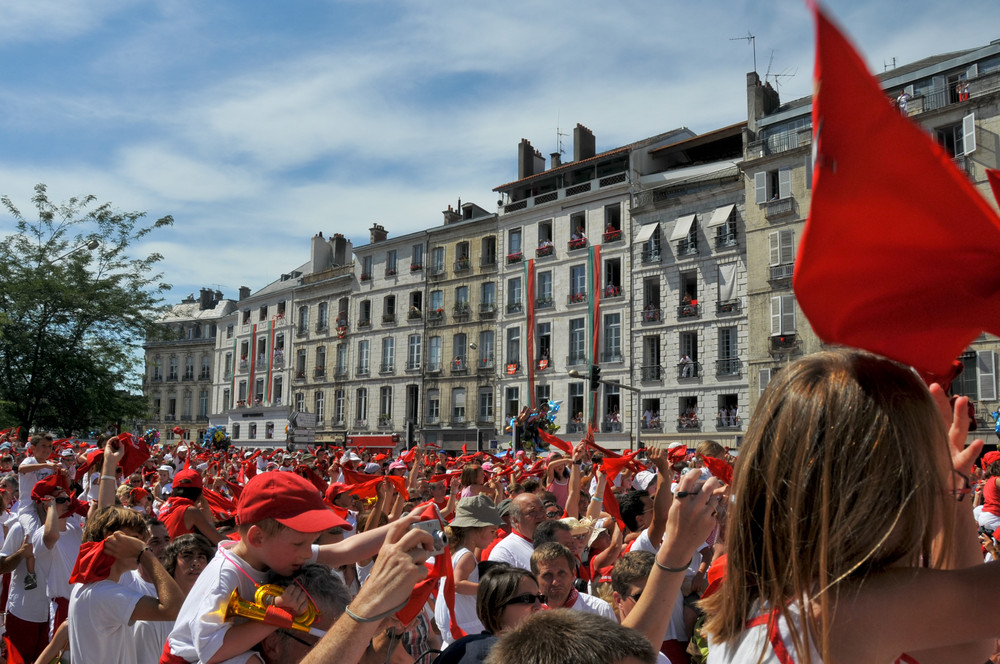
{"type": "Point", "coordinates": [262, 609]}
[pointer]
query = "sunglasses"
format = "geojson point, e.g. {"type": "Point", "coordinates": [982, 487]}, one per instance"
{"type": "Point", "coordinates": [527, 598]}
{"type": "Point", "coordinates": [62, 500]}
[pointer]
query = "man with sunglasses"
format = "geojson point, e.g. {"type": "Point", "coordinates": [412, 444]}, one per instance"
{"type": "Point", "coordinates": [57, 544]}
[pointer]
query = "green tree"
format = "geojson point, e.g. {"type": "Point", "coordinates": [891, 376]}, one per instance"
{"type": "Point", "coordinates": [75, 308]}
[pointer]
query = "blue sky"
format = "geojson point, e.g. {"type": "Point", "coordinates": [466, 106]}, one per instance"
{"type": "Point", "coordinates": [258, 123]}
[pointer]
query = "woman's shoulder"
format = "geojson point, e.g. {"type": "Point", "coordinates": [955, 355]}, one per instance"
{"type": "Point", "coordinates": [468, 649]}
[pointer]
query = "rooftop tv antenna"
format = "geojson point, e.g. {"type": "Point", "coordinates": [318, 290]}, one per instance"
{"type": "Point", "coordinates": [750, 39]}
{"type": "Point", "coordinates": [777, 77]}
{"type": "Point", "coordinates": [886, 66]}
{"type": "Point", "coordinates": [559, 137]}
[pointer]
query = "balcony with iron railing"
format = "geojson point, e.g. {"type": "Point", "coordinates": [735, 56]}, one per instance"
{"type": "Point", "coordinates": [300, 374]}
{"type": "Point", "coordinates": [340, 371]}
{"type": "Point", "coordinates": [488, 262]}
{"type": "Point", "coordinates": [388, 319]}
{"type": "Point", "coordinates": [543, 364]}
{"type": "Point", "coordinates": [515, 257]}
{"type": "Point", "coordinates": [462, 265]}
{"type": "Point", "coordinates": [650, 256]}
{"type": "Point", "coordinates": [544, 302]}
{"type": "Point", "coordinates": [781, 272]}
{"type": "Point", "coordinates": [612, 236]}
{"type": "Point", "coordinates": [576, 427]}
{"type": "Point", "coordinates": [387, 368]}
{"type": "Point", "coordinates": [612, 291]}
{"type": "Point", "coordinates": [514, 307]}
{"type": "Point", "coordinates": [436, 270]}
{"type": "Point", "coordinates": [651, 314]}
{"type": "Point", "coordinates": [485, 364]}
{"type": "Point", "coordinates": [687, 247]}
{"type": "Point", "coordinates": [545, 250]}
{"type": "Point", "coordinates": [575, 360]}
{"type": "Point", "coordinates": [653, 425]}
{"type": "Point", "coordinates": [458, 366]}
{"type": "Point", "coordinates": [484, 418]}
{"type": "Point", "coordinates": [784, 342]}
{"type": "Point", "coordinates": [689, 369]}
{"type": "Point", "coordinates": [434, 367]}
{"type": "Point", "coordinates": [364, 322]}
{"type": "Point", "coordinates": [577, 243]}
{"type": "Point", "coordinates": [779, 208]}
{"type": "Point", "coordinates": [435, 316]}
{"type": "Point", "coordinates": [319, 372]}
{"type": "Point", "coordinates": [413, 365]}
{"type": "Point", "coordinates": [384, 421]}
{"type": "Point", "coordinates": [416, 267]}
{"type": "Point", "coordinates": [487, 310]}
{"type": "Point", "coordinates": [413, 314]}
{"type": "Point", "coordinates": [362, 370]}
{"type": "Point", "coordinates": [462, 311]}
{"type": "Point", "coordinates": [727, 307]}
{"type": "Point", "coordinates": [432, 421]}
{"type": "Point", "coordinates": [458, 420]}
{"type": "Point", "coordinates": [689, 310]}
{"type": "Point", "coordinates": [728, 422]}
{"type": "Point", "coordinates": [578, 297]}
{"type": "Point", "coordinates": [361, 424]}
{"type": "Point", "coordinates": [651, 373]}
{"type": "Point", "coordinates": [390, 272]}
{"type": "Point", "coordinates": [512, 367]}
{"type": "Point", "coordinates": [730, 366]}
{"type": "Point", "coordinates": [603, 177]}
{"type": "Point", "coordinates": [688, 423]}
{"type": "Point", "coordinates": [726, 241]}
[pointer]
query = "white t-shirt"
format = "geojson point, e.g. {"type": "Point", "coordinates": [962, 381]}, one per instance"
{"type": "Point", "coordinates": [29, 605]}
{"type": "Point", "coordinates": [99, 617]}
{"type": "Point", "coordinates": [57, 563]}
{"type": "Point", "coordinates": [676, 630]}
{"type": "Point", "coordinates": [148, 636]}
{"type": "Point", "coordinates": [465, 605]}
{"type": "Point", "coordinates": [26, 481]}
{"type": "Point", "coordinates": [514, 550]}
{"type": "Point", "coordinates": [201, 625]}
{"type": "Point", "coordinates": [590, 604]}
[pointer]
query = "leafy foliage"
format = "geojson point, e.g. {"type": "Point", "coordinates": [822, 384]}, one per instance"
{"type": "Point", "coordinates": [74, 308]}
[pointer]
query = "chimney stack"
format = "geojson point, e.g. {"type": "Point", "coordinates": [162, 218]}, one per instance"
{"type": "Point", "coordinates": [451, 216]}
{"type": "Point", "coordinates": [206, 299]}
{"type": "Point", "coordinates": [378, 233]}
{"type": "Point", "coordinates": [320, 255]}
{"type": "Point", "coordinates": [555, 159]}
{"type": "Point", "coordinates": [584, 145]}
{"type": "Point", "coordinates": [525, 159]}
{"type": "Point", "coordinates": [244, 292]}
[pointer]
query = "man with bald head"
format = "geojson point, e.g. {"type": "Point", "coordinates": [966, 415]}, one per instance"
{"type": "Point", "coordinates": [526, 512]}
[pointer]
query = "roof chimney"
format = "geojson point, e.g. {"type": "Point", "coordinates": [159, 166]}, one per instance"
{"type": "Point", "coordinates": [205, 299]}
{"type": "Point", "coordinates": [244, 292]}
{"type": "Point", "coordinates": [555, 159]}
{"type": "Point", "coordinates": [525, 159]}
{"type": "Point", "coordinates": [378, 233]}
{"type": "Point", "coordinates": [584, 145]}
{"type": "Point", "coordinates": [320, 255]}
{"type": "Point", "coordinates": [451, 216]}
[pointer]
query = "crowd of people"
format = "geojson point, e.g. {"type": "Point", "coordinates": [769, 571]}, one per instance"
{"type": "Point", "coordinates": [848, 493]}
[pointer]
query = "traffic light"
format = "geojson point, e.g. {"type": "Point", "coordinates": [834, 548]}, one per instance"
{"type": "Point", "coordinates": [595, 377]}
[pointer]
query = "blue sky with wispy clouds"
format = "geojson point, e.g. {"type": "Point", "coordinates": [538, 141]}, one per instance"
{"type": "Point", "coordinates": [258, 123]}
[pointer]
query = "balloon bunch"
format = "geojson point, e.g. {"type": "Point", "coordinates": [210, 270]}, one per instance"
{"type": "Point", "coordinates": [152, 437]}
{"type": "Point", "coordinates": [217, 439]}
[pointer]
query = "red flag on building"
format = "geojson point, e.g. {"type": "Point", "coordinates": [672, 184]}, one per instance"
{"type": "Point", "coordinates": [899, 254]}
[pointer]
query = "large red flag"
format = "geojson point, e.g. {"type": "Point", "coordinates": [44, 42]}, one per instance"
{"type": "Point", "coordinates": [555, 442]}
{"type": "Point", "coordinates": [899, 254]}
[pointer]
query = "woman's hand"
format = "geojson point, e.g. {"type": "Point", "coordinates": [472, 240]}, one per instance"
{"type": "Point", "coordinates": [956, 418]}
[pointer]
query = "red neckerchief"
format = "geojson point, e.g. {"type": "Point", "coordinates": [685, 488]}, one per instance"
{"type": "Point", "coordinates": [571, 600]}
{"type": "Point", "coordinates": [526, 539]}
{"type": "Point", "coordinates": [92, 564]}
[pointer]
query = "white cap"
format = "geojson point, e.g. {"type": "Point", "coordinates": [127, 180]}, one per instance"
{"type": "Point", "coordinates": [169, 470]}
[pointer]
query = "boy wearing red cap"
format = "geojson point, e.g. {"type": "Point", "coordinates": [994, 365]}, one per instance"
{"type": "Point", "coordinates": [57, 544]}
{"type": "Point", "coordinates": [279, 516]}
{"type": "Point", "coordinates": [181, 514]}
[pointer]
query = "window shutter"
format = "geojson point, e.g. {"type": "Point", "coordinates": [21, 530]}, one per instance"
{"type": "Point", "coordinates": [776, 315]}
{"type": "Point", "coordinates": [788, 314]}
{"type": "Point", "coordinates": [763, 380]}
{"type": "Point", "coordinates": [773, 241]}
{"type": "Point", "coordinates": [784, 183]}
{"type": "Point", "coordinates": [787, 238]}
{"type": "Point", "coordinates": [969, 133]}
{"type": "Point", "coordinates": [760, 187]}
{"type": "Point", "coordinates": [987, 375]}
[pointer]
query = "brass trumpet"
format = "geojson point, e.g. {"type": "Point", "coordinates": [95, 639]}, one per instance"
{"type": "Point", "coordinates": [262, 609]}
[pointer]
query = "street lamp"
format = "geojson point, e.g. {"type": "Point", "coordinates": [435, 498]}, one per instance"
{"type": "Point", "coordinates": [638, 395]}
{"type": "Point", "coordinates": [89, 246]}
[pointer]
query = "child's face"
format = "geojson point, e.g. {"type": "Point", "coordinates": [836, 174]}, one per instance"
{"type": "Point", "coordinates": [43, 450]}
{"type": "Point", "coordinates": [287, 550]}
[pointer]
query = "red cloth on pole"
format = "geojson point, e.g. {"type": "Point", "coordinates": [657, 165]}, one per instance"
{"type": "Point", "coordinates": [555, 442]}
{"type": "Point", "coordinates": [899, 253]}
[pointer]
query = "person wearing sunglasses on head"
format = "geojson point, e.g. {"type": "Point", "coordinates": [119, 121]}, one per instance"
{"type": "Point", "coordinates": [506, 596]}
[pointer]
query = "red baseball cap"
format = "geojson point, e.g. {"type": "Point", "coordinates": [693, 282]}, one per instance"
{"type": "Point", "coordinates": [337, 488]}
{"type": "Point", "coordinates": [289, 499]}
{"type": "Point", "coordinates": [188, 478]}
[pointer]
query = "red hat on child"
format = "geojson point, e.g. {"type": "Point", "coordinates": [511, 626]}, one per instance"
{"type": "Point", "coordinates": [289, 499]}
{"type": "Point", "coordinates": [49, 486]}
{"type": "Point", "coordinates": [188, 478]}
